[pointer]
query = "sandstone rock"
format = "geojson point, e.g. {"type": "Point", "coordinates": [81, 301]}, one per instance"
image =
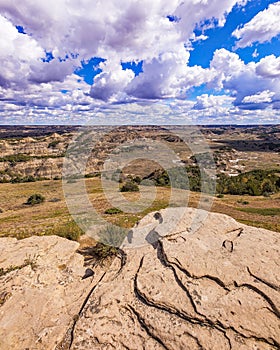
{"type": "Point", "coordinates": [49, 167]}
{"type": "Point", "coordinates": [216, 287]}
{"type": "Point", "coordinates": [186, 281]}
{"type": "Point", "coordinates": [28, 139]}
{"type": "Point", "coordinates": [56, 136]}
{"type": "Point", "coordinates": [41, 291]}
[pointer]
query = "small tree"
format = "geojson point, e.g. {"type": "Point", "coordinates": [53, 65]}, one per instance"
{"type": "Point", "coordinates": [35, 198]}
{"type": "Point", "coordinates": [137, 179]}
{"type": "Point", "coordinates": [268, 187]}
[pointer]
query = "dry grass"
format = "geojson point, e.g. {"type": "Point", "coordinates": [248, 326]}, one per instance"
{"type": "Point", "coordinates": [19, 220]}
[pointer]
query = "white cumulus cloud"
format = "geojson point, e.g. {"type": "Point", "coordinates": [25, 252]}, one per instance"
{"type": "Point", "coordinates": [253, 85]}
{"type": "Point", "coordinates": [17, 53]}
{"type": "Point", "coordinates": [260, 97]}
{"type": "Point", "coordinates": [115, 30]}
{"type": "Point", "coordinates": [269, 67]}
{"type": "Point", "coordinates": [160, 33]}
{"type": "Point", "coordinates": [263, 27]}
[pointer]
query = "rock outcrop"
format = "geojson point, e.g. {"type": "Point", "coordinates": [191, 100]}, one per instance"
{"type": "Point", "coordinates": [213, 287]}
{"type": "Point", "coordinates": [216, 288]}
{"type": "Point", "coordinates": [40, 158]}
{"type": "Point", "coordinates": [41, 291]}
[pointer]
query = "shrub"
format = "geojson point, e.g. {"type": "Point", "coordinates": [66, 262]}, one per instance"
{"type": "Point", "coordinates": [94, 174]}
{"type": "Point", "coordinates": [137, 179]}
{"type": "Point", "coordinates": [98, 254]}
{"type": "Point", "coordinates": [220, 195]}
{"type": "Point", "coordinates": [112, 235]}
{"type": "Point", "coordinates": [254, 183]}
{"type": "Point", "coordinates": [19, 179]}
{"type": "Point", "coordinates": [35, 199]}
{"type": "Point", "coordinates": [55, 200]}
{"type": "Point", "coordinates": [130, 187]}
{"type": "Point", "coordinates": [112, 211]}
{"type": "Point", "coordinates": [242, 201]}
{"type": "Point", "coordinates": [268, 187]}
{"type": "Point", "coordinates": [89, 175]}
{"type": "Point", "coordinates": [53, 144]}
{"type": "Point", "coordinates": [69, 230]}
{"type": "Point", "coordinates": [16, 158]}
{"type": "Point", "coordinates": [266, 194]}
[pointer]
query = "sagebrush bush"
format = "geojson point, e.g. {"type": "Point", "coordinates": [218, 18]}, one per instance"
{"type": "Point", "coordinates": [129, 187]}
{"type": "Point", "coordinates": [112, 211]}
{"type": "Point", "coordinates": [112, 235]}
{"type": "Point", "coordinates": [35, 198]}
{"type": "Point", "coordinates": [98, 254]}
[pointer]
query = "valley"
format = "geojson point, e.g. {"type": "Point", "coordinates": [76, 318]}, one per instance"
{"type": "Point", "coordinates": [31, 161]}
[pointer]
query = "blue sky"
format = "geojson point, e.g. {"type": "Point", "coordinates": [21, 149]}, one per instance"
{"type": "Point", "coordinates": [132, 62]}
{"type": "Point", "coordinates": [222, 37]}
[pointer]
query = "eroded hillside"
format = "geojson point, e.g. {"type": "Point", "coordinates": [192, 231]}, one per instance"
{"type": "Point", "coordinates": [38, 152]}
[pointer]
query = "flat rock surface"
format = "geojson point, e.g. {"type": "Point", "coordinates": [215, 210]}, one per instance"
{"type": "Point", "coordinates": [41, 291]}
{"type": "Point", "coordinates": [185, 281]}
{"type": "Point", "coordinates": [190, 283]}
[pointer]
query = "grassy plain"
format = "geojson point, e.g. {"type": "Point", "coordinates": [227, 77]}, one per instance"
{"type": "Point", "coordinates": [20, 220]}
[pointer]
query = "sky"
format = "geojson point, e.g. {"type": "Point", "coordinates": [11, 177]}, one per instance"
{"type": "Point", "coordinates": [139, 62]}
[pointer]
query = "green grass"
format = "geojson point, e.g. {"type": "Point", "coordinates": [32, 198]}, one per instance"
{"type": "Point", "coordinates": [11, 268]}
{"type": "Point", "coordinates": [111, 235]}
{"type": "Point", "coordinates": [98, 254]}
{"type": "Point", "coordinates": [261, 224]}
{"type": "Point", "coordinates": [10, 218]}
{"type": "Point", "coordinates": [128, 220]}
{"type": "Point", "coordinates": [158, 205]}
{"type": "Point", "coordinates": [69, 230]}
{"type": "Point", "coordinates": [22, 157]}
{"type": "Point", "coordinates": [51, 214]}
{"type": "Point", "coordinates": [261, 211]}
{"type": "Point", "coordinates": [113, 211]}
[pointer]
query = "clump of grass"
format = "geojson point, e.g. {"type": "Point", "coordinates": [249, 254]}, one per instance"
{"type": "Point", "coordinates": [261, 211]}
{"type": "Point", "coordinates": [98, 254]}
{"type": "Point", "coordinates": [27, 261]}
{"type": "Point", "coordinates": [35, 198]}
{"type": "Point", "coordinates": [242, 201]}
{"type": "Point", "coordinates": [69, 230]}
{"type": "Point", "coordinates": [55, 200]}
{"type": "Point", "coordinates": [266, 225]}
{"type": "Point", "coordinates": [112, 235]}
{"type": "Point", "coordinates": [112, 211]}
